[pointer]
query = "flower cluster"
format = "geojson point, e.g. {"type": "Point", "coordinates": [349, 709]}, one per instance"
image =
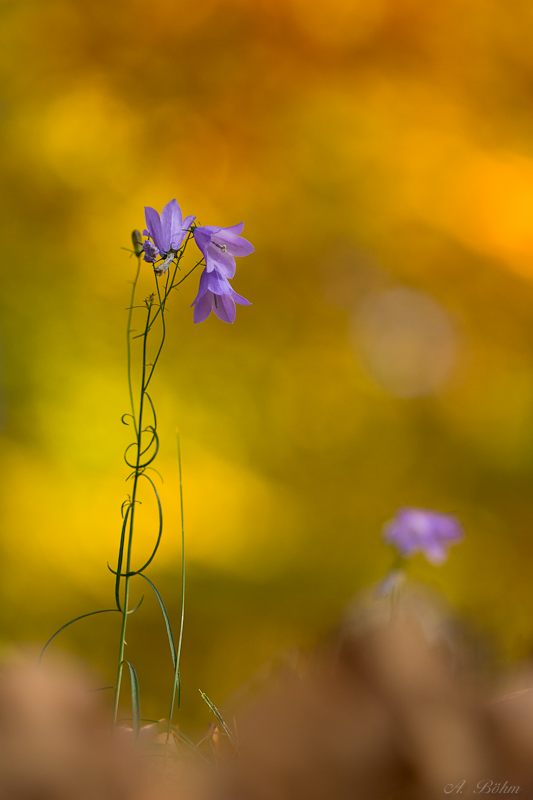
{"type": "Point", "coordinates": [418, 530]}
{"type": "Point", "coordinates": [219, 247]}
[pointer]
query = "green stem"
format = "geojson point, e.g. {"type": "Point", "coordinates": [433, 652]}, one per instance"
{"type": "Point", "coordinates": [162, 309]}
{"type": "Point", "coordinates": [146, 377]}
{"type": "Point", "coordinates": [198, 263]}
{"type": "Point", "coordinates": [129, 331]}
{"type": "Point", "coordinates": [170, 284]}
{"type": "Point", "coordinates": [176, 689]}
{"type": "Point", "coordinates": [132, 518]}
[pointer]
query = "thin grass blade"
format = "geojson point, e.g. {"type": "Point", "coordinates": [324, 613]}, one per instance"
{"type": "Point", "coordinates": [165, 617]}
{"type": "Point", "coordinates": [72, 621]}
{"type": "Point", "coordinates": [135, 701]}
{"type": "Point", "coordinates": [219, 717]}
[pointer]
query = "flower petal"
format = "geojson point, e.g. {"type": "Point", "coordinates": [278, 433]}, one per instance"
{"type": "Point", "coordinates": [187, 222]}
{"type": "Point", "coordinates": [220, 260]}
{"type": "Point", "coordinates": [202, 288]}
{"type": "Point", "coordinates": [203, 307]}
{"type": "Point", "coordinates": [151, 253]}
{"type": "Point", "coordinates": [436, 553]}
{"type": "Point", "coordinates": [202, 237]}
{"type": "Point", "coordinates": [224, 308]}
{"type": "Point", "coordinates": [171, 219]}
{"type": "Point", "coordinates": [153, 223]}
{"type": "Point", "coordinates": [242, 301]}
{"type": "Point", "coordinates": [419, 530]}
{"type": "Point", "coordinates": [235, 228]}
{"type": "Point", "coordinates": [217, 283]}
{"type": "Point", "coordinates": [210, 229]}
{"type": "Point", "coordinates": [235, 245]}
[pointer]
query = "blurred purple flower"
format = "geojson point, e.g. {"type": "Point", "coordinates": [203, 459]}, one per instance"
{"type": "Point", "coordinates": [216, 294]}
{"type": "Point", "coordinates": [418, 530]}
{"type": "Point", "coordinates": [166, 232]}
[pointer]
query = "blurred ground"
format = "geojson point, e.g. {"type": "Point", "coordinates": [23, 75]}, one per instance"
{"type": "Point", "coordinates": [381, 155]}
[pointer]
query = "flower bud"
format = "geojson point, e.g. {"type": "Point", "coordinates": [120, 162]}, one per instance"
{"type": "Point", "coordinates": [137, 240]}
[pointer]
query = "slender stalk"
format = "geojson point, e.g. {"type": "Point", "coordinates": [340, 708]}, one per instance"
{"type": "Point", "coordinates": [128, 340]}
{"type": "Point", "coordinates": [187, 273]}
{"type": "Point", "coordinates": [163, 336]}
{"type": "Point", "coordinates": [173, 285]}
{"type": "Point", "coordinates": [176, 689]}
{"type": "Point", "coordinates": [132, 519]}
{"type": "Point", "coordinates": [138, 466]}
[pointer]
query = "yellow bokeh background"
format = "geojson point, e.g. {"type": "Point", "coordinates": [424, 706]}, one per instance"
{"type": "Point", "coordinates": [380, 153]}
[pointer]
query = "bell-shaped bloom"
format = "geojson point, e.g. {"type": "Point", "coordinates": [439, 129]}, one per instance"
{"type": "Point", "coordinates": [418, 530]}
{"type": "Point", "coordinates": [220, 246]}
{"type": "Point", "coordinates": [167, 231]}
{"type": "Point", "coordinates": [216, 294]}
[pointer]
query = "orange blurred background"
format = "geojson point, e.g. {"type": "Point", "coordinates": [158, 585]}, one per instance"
{"type": "Point", "coordinates": [381, 155]}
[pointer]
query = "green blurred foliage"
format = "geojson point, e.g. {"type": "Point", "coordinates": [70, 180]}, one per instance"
{"type": "Point", "coordinates": [368, 145]}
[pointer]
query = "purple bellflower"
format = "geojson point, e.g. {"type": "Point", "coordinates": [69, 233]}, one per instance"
{"type": "Point", "coordinates": [166, 234]}
{"type": "Point", "coordinates": [418, 530]}
{"type": "Point", "coordinates": [219, 246]}
{"type": "Point", "coordinates": [216, 294]}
